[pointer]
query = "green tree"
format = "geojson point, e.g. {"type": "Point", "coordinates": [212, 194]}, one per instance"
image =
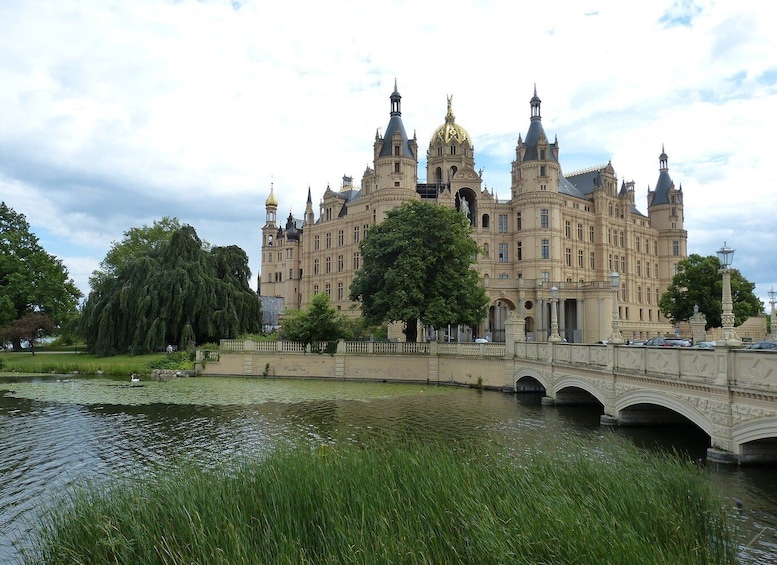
{"type": "Point", "coordinates": [32, 281]}
{"type": "Point", "coordinates": [698, 282]}
{"type": "Point", "coordinates": [417, 266]}
{"type": "Point", "coordinates": [30, 327]}
{"type": "Point", "coordinates": [135, 243]}
{"type": "Point", "coordinates": [173, 292]}
{"type": "Point", "coordinates": [320, 322]}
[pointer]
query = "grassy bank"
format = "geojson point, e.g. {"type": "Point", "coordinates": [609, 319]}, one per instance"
{"type": "Point", "coordinates": [402, 503]}
{"type": "Point", "coordinates": [66, 363]}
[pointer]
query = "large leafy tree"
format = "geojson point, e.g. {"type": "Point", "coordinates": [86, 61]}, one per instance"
{"type": "Point", "coordinates": [320, 322]}
{"type": "Point", "coordinates": [136, 242]}
{"type": "Point", "coordinates": [31, 280]}
{"type": "Point", "coordinates": [417, 266]}
{"type": "Point", "coordinates": [30, 327]}
{"type": "Point", "coordinates": [698, 282]}
{"type": "Point", "coordinates": [175, 291]}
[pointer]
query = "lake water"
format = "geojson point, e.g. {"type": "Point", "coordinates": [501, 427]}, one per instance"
{"type": "Point", "coordinates": [57, 432]}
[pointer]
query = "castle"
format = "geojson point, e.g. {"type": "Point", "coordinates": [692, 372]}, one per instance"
{"type": "Point", "coordinates": [558, 234]}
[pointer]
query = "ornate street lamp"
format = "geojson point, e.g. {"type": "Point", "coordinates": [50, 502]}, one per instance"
{"type": "Point", "coordinates": [772, 300]}
{"type": "Point", "coordinates": [554, 315]}
{"type": "Point", "coordinates": [728, 337]}
{"type": "Point", "coordinates": [615, 336]}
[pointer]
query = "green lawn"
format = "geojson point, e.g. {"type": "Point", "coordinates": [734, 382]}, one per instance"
{"type": "Point", "coordinates": [65, 363]}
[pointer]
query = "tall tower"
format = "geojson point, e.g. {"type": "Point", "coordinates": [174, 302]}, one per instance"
{"type": "Point", "coordinates": [396, 162]}
{"type": "Point", "coordinates": [665, 209]}
{"type": "Point", "coordinates": [535, 191]}
{"type": "Point", "coordinates": [269, 232]}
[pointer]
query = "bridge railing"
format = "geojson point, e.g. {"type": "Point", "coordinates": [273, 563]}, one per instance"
{"type": "Point", "coordinates": [367, 348]}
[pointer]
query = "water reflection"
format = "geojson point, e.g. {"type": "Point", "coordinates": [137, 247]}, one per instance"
{"type": "Point", "coordinates": [55, 434]}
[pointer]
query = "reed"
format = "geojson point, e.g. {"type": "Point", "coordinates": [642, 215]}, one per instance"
{"type": "Point", "coordinates": [401, 502]}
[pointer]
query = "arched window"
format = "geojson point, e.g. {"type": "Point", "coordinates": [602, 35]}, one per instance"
{"type": "Point", "coordinates": [485, 221]}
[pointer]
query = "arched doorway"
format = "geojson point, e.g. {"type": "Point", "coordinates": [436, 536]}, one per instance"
{"type": "Point", "coordinates": [529, 328]}
{"type": "Point", "coordinates": [498, 313]}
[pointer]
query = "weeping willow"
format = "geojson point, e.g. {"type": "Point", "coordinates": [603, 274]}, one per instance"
{"type": "Point", "coordinates": [178, 293]}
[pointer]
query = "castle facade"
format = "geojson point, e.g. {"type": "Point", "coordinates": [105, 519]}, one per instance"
{"type": "Point", "coordinates": [558, 234]}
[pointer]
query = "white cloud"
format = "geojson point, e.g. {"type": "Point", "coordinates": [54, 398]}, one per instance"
{"type": "Point", "coordinates": [116, 114]}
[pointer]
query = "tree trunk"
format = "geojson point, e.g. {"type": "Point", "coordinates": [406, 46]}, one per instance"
{"type": "Point", "coordinates": [411, 330]}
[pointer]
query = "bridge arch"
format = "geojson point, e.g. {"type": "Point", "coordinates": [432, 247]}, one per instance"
{"type": "Point", "coordinates": [571, 381]}
{"type": "Point", "coordinates": [531, 374]}
{"type": "Point", "coordinates": [664, 400]}
{"type": "Point", "coordinates": [754, 430]}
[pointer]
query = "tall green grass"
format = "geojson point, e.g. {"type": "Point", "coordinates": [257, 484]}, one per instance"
{"type": "Point", "coordinates": [66, 363]}
{"type": "Point", "coordinates": [404, 502]}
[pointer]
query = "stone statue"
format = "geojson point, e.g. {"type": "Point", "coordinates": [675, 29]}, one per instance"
{"type": "Point", "coordinates": [464, 206]}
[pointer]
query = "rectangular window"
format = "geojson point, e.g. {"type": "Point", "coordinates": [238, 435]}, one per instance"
{"type": "Point", "coordinates": [545, 276]}
{"type": "Point", "coordinates": [592, 260]}
{"type": "Point", "coordinates": [340, 238]}
{"type": "Point", "coordinates": [396, 167]}
{"type": "Point", "coordinates": [544, 218]}
{"type": "Point", "coordinates": [315, 266]}
{"type": "Point", "coordinates": [546, 249]}
{"type": "Point", "coordinates": [328, 265]}
{"type": "Point", "coordinates": [580, 258]}
{"type": "Point", "coordinates": [519, 251]}
{"type": "Point", "coordinates": [356, 234]}
{"type": "Point", "coordinates": [675, 248]}
{"type": "Point", "coordinates": [502, 223]}
{"type": "Point", "coordinates": [623, 264]}
{"type": "Point", "coordinates": [355, 261]}
{"type": "Point", "coordinates": [591, 234]}
{"type": "Point", "coordinates": [328, 240]}
{"type": "Point", "coordinates": [580, 232]}
{"type": "Point", "coordinates": [639, 268]}
{"type": "Point", "coordinates": [340, 263]}
{"type": "Point", "coordinates": [328, 289]}
{"type": "Point", "coordinates": [567, 229]}
{"type": "Point", "coordinates": [316, 242]}
{"type": "Point", "coordinates": [639, 248]}
{"type": "Point", "coordinates": [518, 224]}
{"type": "Point", "coordinates": [503, 276]}
{"type": "Point", "coordinates": [568, 256]}
{"type": "Point", "coordinates": [340, 291]}
{"type": "Point", "coordinates": [315, 289]}
{"type": "Point", "coordinates": [503, 253]}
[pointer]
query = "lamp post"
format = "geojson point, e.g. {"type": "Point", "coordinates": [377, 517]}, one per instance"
{"type": "Point", "coordinates": [772, 300]}
{"type": "Point", "coordinates": [728, 337]}
{"type": "Point", "coordinates": [554, 315]}
{"type": "Point", "coordinates": [615, 336]}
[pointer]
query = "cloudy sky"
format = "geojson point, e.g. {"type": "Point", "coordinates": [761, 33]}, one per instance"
{"type": "Point", "coordinates": [116, 113]}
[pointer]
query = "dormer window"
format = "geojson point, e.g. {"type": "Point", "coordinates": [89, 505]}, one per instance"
{"type": "Point", "coordinates": [542, 154]}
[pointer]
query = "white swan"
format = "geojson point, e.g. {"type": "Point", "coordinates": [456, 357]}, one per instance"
{"type": "Point", "coordinates": [134, 378]}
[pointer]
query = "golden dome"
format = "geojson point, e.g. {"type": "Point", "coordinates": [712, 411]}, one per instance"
{"type": "Point", "coordinates": [271, 200]}
{"type": "Point", "coordinates": [450, 130]}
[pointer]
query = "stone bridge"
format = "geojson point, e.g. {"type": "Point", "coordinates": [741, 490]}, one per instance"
{"type": "Point", "coordinates": [731, 394]}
